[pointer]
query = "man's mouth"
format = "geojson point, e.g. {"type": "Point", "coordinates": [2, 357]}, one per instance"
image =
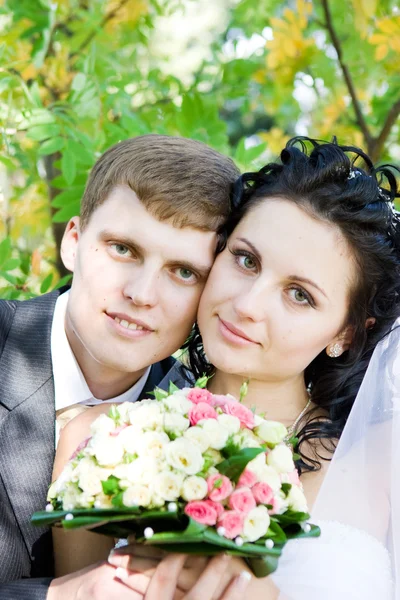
{"type": "Point", "coordinates": [129, 323]}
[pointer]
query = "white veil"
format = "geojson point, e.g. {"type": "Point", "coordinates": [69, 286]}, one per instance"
{"type": "Point", "coordinates": [358, 506]}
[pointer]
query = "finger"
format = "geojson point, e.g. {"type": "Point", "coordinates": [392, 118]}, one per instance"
{"type": "Point", "coordinates": [164, 581]}
{"type": "Point", "coordinates": [135, 563]}
{"type": "Point", "coordinates": [138, 582]}
{"type": "Point", "coordinates": [237, 588]}
{"type": "Point", "coordinates": [191, 572]}
{"type": "Point", "coordinates": [210, 580]}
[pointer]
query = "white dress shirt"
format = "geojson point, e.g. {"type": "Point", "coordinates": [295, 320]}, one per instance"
{"type": "Point", "coordinates": [70, 386]}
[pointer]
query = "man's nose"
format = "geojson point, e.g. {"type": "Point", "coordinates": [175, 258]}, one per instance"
{"type": "Point", "coordinates": [144, 287]}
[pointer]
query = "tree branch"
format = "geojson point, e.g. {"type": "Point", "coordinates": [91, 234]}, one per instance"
{"type": "Point", "coordinates": [93, 34]}
{"type": "Point", "coordinates": [346, 74]}
{"type": "Point", "coordinates": [380, 140]}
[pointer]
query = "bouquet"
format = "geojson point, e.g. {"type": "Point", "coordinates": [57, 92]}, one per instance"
{"type": "Point", "coordinates": [189, 471]}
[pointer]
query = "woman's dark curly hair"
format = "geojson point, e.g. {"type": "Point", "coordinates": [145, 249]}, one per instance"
{"type": "Point", "coordinates": [325, 180]}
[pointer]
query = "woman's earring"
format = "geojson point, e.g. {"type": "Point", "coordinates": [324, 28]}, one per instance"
{"type": "Point", "coordinates": [335, 350]}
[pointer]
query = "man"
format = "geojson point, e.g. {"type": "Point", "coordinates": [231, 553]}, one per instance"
{"type": "Point", "coordinates": [140, 254]}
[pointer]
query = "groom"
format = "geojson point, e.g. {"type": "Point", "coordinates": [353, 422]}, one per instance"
{"type": "Point", "coordinates": [140, 253]}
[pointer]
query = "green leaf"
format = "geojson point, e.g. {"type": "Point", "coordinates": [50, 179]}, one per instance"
{"type": "Point", "coordinates": [9, 278]}
{"type": "Point", "coordinates": [234, 466]}
{"type": "Point", "coordinates": [286, 487]}
{"type": "Point", "coordinates": [51, 146]}
{"type": "Point", "coordinates": [159, 394]}
{"type": "Point", "coordinates": [46, 283]}
{"type": "Point", "coordinates": [70, 196]}
{"type": "Point", "coordinates": [78, 82]}
{"type": "Point", "coordinates": [67, 212]}
{"type": "Point", "coordinates": [5, 250]}
{"type": "Point", "coordinates": [44, 132]}
{"type": "Point", "coordinates": [68, 165]}
{"type": "Point", "coordinates": [63, 281]}
{"type": "Point", "coordinates": [201, 382]}
{"type": "Point", "coordinates": [111, 486]}
{"type": "Point", "coordinates": [172, 388]}
{"type": "Point", "coordinates": [11, 264]}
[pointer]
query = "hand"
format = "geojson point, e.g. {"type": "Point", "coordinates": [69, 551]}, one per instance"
{"type": "Point", "coordinates": [178, 576]}
{"type": "Point", "coordinates": [164, 580]}
{"type": "Point", "coordinates": [97, 582]}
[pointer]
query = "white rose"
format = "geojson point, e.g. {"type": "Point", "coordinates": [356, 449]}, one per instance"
{"type": "Point", "coordinates": [218, 435]}
{"type": "Point", "coordinates": [152, 443]}
{"type": "Point", "coordinates": [167, 485]}
{"type": "Point", "coordinates": [215, 456]}
{"type": "Point", "coordinates": [257, 464]}
{"type": "Point", "coordinates": [177, 403]}
{"type": "Point", "coordinates": [231, 423]}
{"type": "Point", "coordinates": [258, 420]}
{"type": "Point", "coordinates": [271, 432]}
{"type": "Point", "coordinates": [128, 438]}
{"type": "Point", "coordinates": [107, 449]}
{"type": "Point", "coordinates": [142, 470]}
{"type": "Point", "coordinates": [136, 495]}
{"type": "Point", "coordinates": [281, 459]}
{"type": "Point", "coordinates": [90, 483]}
{"type": "Point", "coordinates": [124, 409]}
{"type": "Point", "coordinates": [280, 503]}
{"type": "Point", "coordinates": [103, 501]}
{"type": "Point", "coordinates": [269, 475]}
{"type": "Point", "coordinates": [70, 497]}
{"type": "Point", "coordinates": [194, 488]}
{"type": "Point", "coordinates": [185, 456]}
{"type": "Point", "coordinates": [175, 423]}
{"type": "Point", "coordinates": [256, 524]}
{"type": "Point", "coordinates": [86, 500]}
{"type": "Point", "coordinates": [66, 476]}
{"type": "Point", "coordinates": [247, 439]}
{"type": "Point", "coordinates": [148, 416]}
{"type": "Point", "coordinates": [102, 424]}
{"type": "Point", "coordinates": [198, 436]}
{"type": "Point", "coordinates": [297, 500]}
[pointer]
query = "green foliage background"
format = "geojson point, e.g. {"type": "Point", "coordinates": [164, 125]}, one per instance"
{"type": "Point", "coordinates": [77, 76]}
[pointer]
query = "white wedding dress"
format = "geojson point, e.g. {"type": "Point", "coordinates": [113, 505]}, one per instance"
{"type": "Point", "coordinates": [345, 563]}
{"type": "Point", "coordinates": [357, 556]}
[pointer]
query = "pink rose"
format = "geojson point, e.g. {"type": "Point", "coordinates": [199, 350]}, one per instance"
{"type": "Point", "coordinates": [263, 493]}
{"type": "Point", "coordinates": [221, 401]}
{"type": "Point", "coordinates": [202, 512]}
{"type": "Point", "coordinates": [118, 430]}
{"type": "Point", "coordinates": [81, 446]}
{"type": "Point", "coordinates": [197, 395]}
{"type": "Point", "coordinates": [240, 411]}
{"type": "Point", "coordinates": [242, 500]}
{"type": "Point", "coordinates": [247, 479]}
{"type": "Point", "coordinates": [216, 506]}
{"type": "Point", "coordinates": [219, 487]}
{"type": "Point", "coordinates": [293, 477]}
{"type": "Point", "coordinates": [201, 411]}
{"type": "Point", "coordinates": [232, 522]}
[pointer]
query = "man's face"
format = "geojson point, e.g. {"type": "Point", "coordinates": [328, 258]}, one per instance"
{"type": "Point", "coordinates": [136, 286]}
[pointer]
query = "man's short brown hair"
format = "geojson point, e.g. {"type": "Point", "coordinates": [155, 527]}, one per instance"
{"type": "Point", "coordinates": [177, 179]}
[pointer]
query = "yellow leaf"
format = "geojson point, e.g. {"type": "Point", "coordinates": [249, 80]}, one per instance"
{"type": "Point", "coordinates": [381, 51]}
{"type": "Point", "coordinates": [377, 38]}
{"type": "Point", "coordinates": [387, 25]}
{"type": "Point", "coordinates": [36, 262]}
{"type": "Point", "coordinates": [395, 44]}
{"type": "Point", "coordinates": [289, 15]}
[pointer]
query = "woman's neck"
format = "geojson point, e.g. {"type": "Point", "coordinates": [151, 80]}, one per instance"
{"type": "Point", "coordinates": [278, 400]}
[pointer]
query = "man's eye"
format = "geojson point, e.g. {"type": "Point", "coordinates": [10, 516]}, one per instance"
{"type": "Point", "coordinates": [121, 249]}
{"type": "Point", "coordinates": [186, 274]}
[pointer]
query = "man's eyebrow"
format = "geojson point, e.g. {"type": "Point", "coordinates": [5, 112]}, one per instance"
{"type": "Point", "coordinates": [202, 270]}
{"type": "Point", "coordinates": [291, 277]}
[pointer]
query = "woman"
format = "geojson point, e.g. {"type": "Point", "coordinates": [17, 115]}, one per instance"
{"type": "Point", "coordinates": [306, 287]}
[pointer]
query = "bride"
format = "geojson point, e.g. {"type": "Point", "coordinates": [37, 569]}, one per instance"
{"type": "Point", "coordinates": [306, 287]}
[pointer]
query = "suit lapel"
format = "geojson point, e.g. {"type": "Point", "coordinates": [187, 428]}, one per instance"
{"type": "Point", "coordinates": [157, 373]}
{"type": "Point", "coordinates": [27, 414]}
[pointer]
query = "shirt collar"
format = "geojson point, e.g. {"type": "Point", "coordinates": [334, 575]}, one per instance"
{"type": "Point", "coordinates": [70, 386]}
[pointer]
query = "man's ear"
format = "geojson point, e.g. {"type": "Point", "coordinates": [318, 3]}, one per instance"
{"type": "Point", "coordinates": [69, 243]}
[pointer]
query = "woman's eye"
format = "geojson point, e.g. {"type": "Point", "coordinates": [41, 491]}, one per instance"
{"type": "Point", "coordinates": [300, 296]}
{"type": "Point", "coordinates": [247, 262]}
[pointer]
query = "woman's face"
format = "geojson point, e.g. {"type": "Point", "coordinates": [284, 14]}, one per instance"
{"type": "Point", "coordinates": [277, 295]}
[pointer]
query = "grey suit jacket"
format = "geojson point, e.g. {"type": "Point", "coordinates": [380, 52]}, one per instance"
{"type": "Point", "coordinates": [27, 417]}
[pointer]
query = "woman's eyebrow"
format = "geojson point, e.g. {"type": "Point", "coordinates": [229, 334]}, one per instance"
{"type": "Point", "coordinates": [309, 281]}
{"type": "Point", "coordinates": [253, 249]}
